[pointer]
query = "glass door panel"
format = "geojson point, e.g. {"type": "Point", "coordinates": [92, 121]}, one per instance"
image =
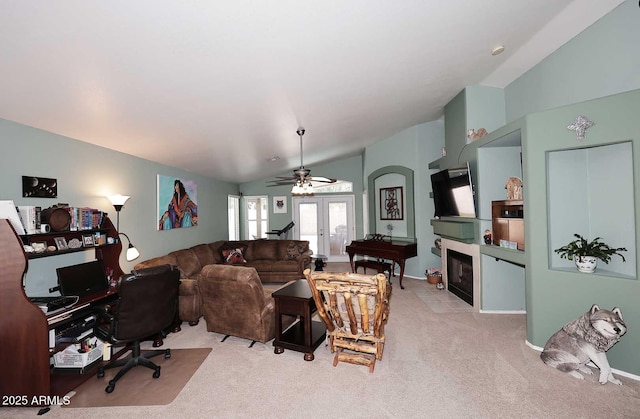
{"type": "Point", "coordinates": [338, 229]}
{"type": "Point", "coordinates": [328, 223]}
{"type": "Point", "coordinates": [308, 224]}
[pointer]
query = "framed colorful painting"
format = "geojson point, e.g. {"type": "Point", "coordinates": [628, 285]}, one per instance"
{"type": "Point", "coordinates": [177, 203]}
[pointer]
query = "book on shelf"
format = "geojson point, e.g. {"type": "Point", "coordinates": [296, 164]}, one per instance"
{"type": "Point", "coordinates": [85, 218]}
{"type": "Point", "coordinates": [30, 217]}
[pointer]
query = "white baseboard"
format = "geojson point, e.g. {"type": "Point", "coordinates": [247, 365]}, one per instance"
{"type": "Point", "coordinates": [618, 372]}
{"type": "Point", "coordinates": [503, 311]}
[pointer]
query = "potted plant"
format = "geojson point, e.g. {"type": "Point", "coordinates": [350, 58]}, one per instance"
{"type": "Point", "coordinates": [585, 254]}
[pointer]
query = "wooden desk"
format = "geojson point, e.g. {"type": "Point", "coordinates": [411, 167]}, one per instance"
{"type": "Point", "coordinates": [24, 328]}
{"type": "Point", "coordinates": [305, 335]}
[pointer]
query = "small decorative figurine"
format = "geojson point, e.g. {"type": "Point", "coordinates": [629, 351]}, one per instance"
{"type": "Point", "coordinates": [514, 188]}
{"type": "Point", "coordinates": [580, 126]}
{"type": "Point", "coordinates": [487, 237]}
{"type": "Point", "coordinates": [474, 135]}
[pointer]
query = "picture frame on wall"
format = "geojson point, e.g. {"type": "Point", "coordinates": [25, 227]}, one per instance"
{"type": "Point", "coordinates": [279, 204]}
{"type": "Point", "coordinates": [39, 187]}
{"type": "Point", "coordinates": [392, 203]}
{"type": "Point", "coordinates": [177, 203]}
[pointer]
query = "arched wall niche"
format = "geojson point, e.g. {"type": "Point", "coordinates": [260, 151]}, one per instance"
{"type": "Point", "coordinates": [385, 178]}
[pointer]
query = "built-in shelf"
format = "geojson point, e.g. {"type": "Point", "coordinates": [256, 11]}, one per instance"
{"type": "Point", "coordinates": [599, 271]}
{"type": "Point", "coordinates": [509, 255]}
{"type": "Point", "coordinates": [459, 228]}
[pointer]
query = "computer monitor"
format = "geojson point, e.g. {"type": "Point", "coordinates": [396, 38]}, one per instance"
{"type": "Point", "coordinates": [83, 279]}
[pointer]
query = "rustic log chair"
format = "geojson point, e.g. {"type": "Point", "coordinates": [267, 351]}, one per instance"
{"type": "Point", "coordinates": [355, 308]}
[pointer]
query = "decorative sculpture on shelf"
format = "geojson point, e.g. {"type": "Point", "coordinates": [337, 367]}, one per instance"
{"type": "Point", "coordinates": [487, 237]}
{"type": "Point", "coordinates": [514, 188]}
{"type": "Point", "coordinates": [580, 126]}
{"type": "Point", "coordinates": [473, 135]}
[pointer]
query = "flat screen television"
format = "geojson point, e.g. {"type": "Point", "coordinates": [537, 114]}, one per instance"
{"type": "Point", "coordinates": [453, 194]}
{"type": "Point", "coordinates": [83, 279]}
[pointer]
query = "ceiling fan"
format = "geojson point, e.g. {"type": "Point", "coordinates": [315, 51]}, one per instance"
{"type": "Point", "coordinates": [301, 178]}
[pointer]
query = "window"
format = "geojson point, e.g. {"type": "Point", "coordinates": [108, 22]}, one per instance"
{"type": "Point", "coordinates": [340, 186]}
{"type": "Point", "coordinates": [256, 217]}
{"type": "Point", "coordinates": [233, 210]}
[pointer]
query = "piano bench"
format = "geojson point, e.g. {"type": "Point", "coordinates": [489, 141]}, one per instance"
{"type": "Point", "coordinates": [379, 266]}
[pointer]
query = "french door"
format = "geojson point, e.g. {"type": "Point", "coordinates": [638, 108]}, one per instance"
{"type": "Point", "coordinates": [327, 222]}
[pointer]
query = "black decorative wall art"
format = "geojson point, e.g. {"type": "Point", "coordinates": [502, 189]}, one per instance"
{"type": "Point", "coordinates": [391, 203]}
{"type": "Point", "coordinates": [39, 187]}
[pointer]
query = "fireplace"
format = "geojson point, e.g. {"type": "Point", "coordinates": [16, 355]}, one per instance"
{"type": "Point", "coordinates": [461, 270]}
{"type": "Point", "coordinates": [460, 275]}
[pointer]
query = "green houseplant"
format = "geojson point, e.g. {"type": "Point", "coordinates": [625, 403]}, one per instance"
{"type": "Point", "coordinates": [586, 253]}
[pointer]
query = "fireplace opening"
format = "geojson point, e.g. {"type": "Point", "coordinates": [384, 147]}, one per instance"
{"type": "Point", "coordinates": [460, 275]}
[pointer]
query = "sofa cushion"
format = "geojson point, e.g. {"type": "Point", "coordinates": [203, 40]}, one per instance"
{"type": "Point", "coordinates": [265, 249]}
{"type": "Point", "coordinates": [204, 254]}
{"type": "Point", "coordinates": [215, 249]}
{"type": "Point", "coordinates": [161, 260]}
{"type": "Point", "coordinates": [187, 262]}
{"type": "Point", "coordinates": [231, 245]}
{"type": "Point", "coordinates": [294, 250]}
{"type": "Point", "coordinates": [233, 256]}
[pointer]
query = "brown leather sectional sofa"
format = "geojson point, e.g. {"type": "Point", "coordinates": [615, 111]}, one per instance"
{"type": "Point", "coordinates": [230, 294]}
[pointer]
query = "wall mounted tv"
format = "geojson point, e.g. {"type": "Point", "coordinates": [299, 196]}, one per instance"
{"type": "Point", "coordinates": [453, 193]}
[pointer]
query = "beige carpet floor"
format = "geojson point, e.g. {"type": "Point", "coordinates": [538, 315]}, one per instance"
{"type": "Point", "coordinates": [435, 365]}
{"type": "Point", "coordinates": [137, 387]}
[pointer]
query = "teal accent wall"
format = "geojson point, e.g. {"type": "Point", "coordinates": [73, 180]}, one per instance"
{"type": "Point", "coordinates": [602, 60]}
{"type": "Point", "coordinates": [405, 179]}
{"type": "Point", "coordinates": [555, 296]}
{"type": "Point", "coordinates": [86, 174]}
{"type": "Point", "coordinates": [413, 148]}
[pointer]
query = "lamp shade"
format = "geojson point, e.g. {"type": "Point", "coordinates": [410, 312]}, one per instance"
{"type": "Point", "coordinates": [132, 253]}
{"type": "Point", "coordinates": [118, 199]}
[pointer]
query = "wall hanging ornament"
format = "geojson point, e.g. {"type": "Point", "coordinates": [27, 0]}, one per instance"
{"type": "Point", "coordinates": [580, 126]}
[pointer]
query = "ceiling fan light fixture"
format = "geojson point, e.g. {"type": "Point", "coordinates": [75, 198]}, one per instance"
{"type": "Point", "coordinates": [302, 188]}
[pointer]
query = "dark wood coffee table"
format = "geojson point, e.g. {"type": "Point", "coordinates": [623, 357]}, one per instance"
{"type": "Point", "coordinates": [304, 335]}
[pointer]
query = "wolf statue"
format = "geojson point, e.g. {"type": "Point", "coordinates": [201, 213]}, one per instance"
{"type": "Point", "coordinates": [585, 339]}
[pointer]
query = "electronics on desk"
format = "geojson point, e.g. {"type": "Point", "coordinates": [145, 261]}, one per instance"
{"type": "Point", "coordinates": [82, 279]}
{"type": "Point", "coordinates": [51, 305]}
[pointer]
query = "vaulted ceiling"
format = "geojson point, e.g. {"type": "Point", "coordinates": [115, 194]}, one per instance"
{"type": "Point", "coordinates": [220, 87]}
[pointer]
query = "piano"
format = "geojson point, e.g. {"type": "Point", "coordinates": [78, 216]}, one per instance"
{"type": "Point", "coordinates": [383, 247]}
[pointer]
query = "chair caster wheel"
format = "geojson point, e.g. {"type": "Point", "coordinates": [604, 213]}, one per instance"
{"type": "Point", "coordinates": [110, 387]}
{"type": "Point", "coordinates": [100, 373]}
{"type": "Point", "coordinates": [156, 373]}
{"type": "Point", "coordinates": [167, 354]}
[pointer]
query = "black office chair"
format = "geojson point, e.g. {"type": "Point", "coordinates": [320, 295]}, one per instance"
{"type": "Point", "coordinates": [147, 304]}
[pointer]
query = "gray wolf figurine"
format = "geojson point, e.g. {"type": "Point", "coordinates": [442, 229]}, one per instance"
{"type": "Point", "coordinates": [585, 339]}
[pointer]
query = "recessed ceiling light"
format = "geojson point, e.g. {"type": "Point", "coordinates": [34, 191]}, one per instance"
{"type": "Point", "coordinates": [274, 158]}
{"type": "Point", "coordinates": [497, 50]}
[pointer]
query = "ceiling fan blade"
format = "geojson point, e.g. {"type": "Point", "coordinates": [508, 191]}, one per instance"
{"type": "Point", "coordinates": [322, 179]}
{"type": "Point", "coordinates": [282, 182]}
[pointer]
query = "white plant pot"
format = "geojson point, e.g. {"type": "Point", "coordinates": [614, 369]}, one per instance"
{"type": "Point", "coordinates": [586, 264]}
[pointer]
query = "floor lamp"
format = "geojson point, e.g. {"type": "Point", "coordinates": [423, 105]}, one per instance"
{"type": "Point", "coordinates": [118, 202]}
